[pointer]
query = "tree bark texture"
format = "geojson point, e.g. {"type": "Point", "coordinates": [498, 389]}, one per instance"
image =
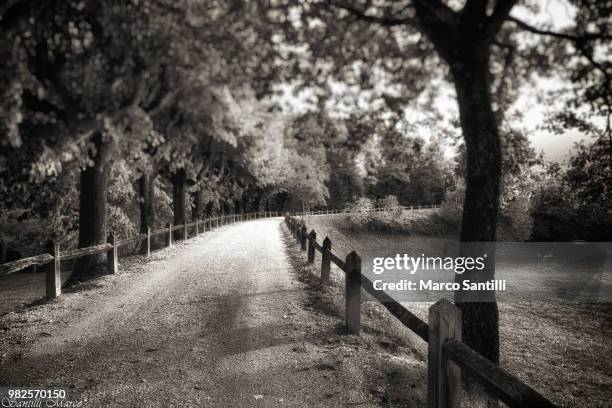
{"type": "Point", "coordinates": [463, 42]}
{"type": "Point", "coordinates": [481, 204]}
{"type": "Point", "coordinates": [146, 190]}
{"type": "Point", "coordinates": [179, 192]}
{"type": "Point", "coordinates": [92, 204]}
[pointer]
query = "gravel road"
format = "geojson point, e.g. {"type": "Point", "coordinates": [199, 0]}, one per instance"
{"type": "Point", "coordinates": [218, 320]}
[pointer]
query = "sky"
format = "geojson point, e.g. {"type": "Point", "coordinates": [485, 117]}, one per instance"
{"type": "Point", "coordinates": [555, 14]}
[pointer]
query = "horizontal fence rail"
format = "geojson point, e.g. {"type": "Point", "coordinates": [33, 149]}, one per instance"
{"type": "Point", "coordinates": [16, 266]}
{"type": "Point", "coordinates": [79, 252]}
{"type": "Point", "coordinates": [369, 210]}
{"type": "Point", "coordinates": [510, 390]}
{"type": "Point", "coordinates": [447, 355]}
{"type": "Point", "coordinates": [54, 259]}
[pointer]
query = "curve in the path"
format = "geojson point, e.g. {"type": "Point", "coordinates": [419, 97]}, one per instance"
{"type": "Point", "coordinates": [213, 323]}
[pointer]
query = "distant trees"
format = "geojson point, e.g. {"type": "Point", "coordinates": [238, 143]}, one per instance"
{"type": "Point", "coordinates": [339, 160]}
{"type": "Point", "coordinates": [573, 200]}
{"type": "Point", "coordinates": [411, 169]}
{"type": "Point", "coordinates": [589, 176]}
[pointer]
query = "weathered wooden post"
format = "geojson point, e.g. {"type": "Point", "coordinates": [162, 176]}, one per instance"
{"type": "Point", "coordinates": [312, 238]}
{"type": "Point", "coordinates": [53, 275]}
{"type": "Point", "coordinates": [443, 376]}
{"type": "Point", "coordinates": [148, 241]}
{"type": "Point", "coordinates": [303, 236]}
{"type": "Point", "coordinates": [111, 255]}
{"type": "Point", "coordinates": [353, 292]}
{"type": "Point", "coordinates": [197, 228]}
{"type": "Point", "coordinates": [325, 261]}
{"type": "Point", "coordinates": [169, 238]}
{"type": "Point", "coordinates": [185, 231]}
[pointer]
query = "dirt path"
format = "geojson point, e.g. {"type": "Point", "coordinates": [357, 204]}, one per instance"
{"type": "Point", "coordinates": [216, 321]}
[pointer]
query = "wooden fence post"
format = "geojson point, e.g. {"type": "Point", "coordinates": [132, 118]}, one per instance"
{"type": "Point", "coordinates": [325, 261]}
{"type": "Point", "coordinates": [443, 376]}
{"type": "Point", "coordinates": [53, 275]}
{"type": "Point", "coordinates": [303, 238]}
{"type": "Point", "coordinates": [312, 238]}
{"type": "Point", "coordinates": [148, 241]}
{"type": "Point", "coordinates": [169, 238]}
{"type": "Point", "coordinates": [111, 255]}
{"type": "Point", "coordinates": [353, 293]}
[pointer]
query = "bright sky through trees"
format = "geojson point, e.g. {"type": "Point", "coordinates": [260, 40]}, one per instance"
{"type": "Point", "coordinates": [535, 113]}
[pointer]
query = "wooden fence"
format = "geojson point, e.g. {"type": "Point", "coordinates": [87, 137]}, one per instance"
{"type": "Point", "coordinates": [53, 259]}
{"type": "Point", "coordinates": [447, 355]}
{"type": "Point", "coordinates": [371, 210]}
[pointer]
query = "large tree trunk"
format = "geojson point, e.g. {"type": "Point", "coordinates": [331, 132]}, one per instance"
{"type": "Point", "coordinates": [200, 207]}
{"type": "Point", "coordinates": [92, 205]}
{"type": "Point", "coordinates": [146, 187]}
{"type": "Point", "coordinates": [179, 191]}
{"type": "Point", "coordinates": [480, 130]}
{"type": "Point", "coordinates": [463, 42]}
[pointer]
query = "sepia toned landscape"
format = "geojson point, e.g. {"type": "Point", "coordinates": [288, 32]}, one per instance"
{"type": "Point", "coordinates": [236, 203]}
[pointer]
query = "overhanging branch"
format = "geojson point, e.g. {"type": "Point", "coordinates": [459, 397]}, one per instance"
{"type": "Point", "coordinates": [442, 12]}
{"type": "Point", "coordinates": [579, 41]}
{"type": "Point", "coordinates": [383, 21]}
{"type": "Point", "coordinates": [498, 16]}
{"type": "Point", "coordinates": [566, 36]}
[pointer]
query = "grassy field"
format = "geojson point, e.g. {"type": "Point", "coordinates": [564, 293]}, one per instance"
{"type": "Point", "coordinates": [559, 348]}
